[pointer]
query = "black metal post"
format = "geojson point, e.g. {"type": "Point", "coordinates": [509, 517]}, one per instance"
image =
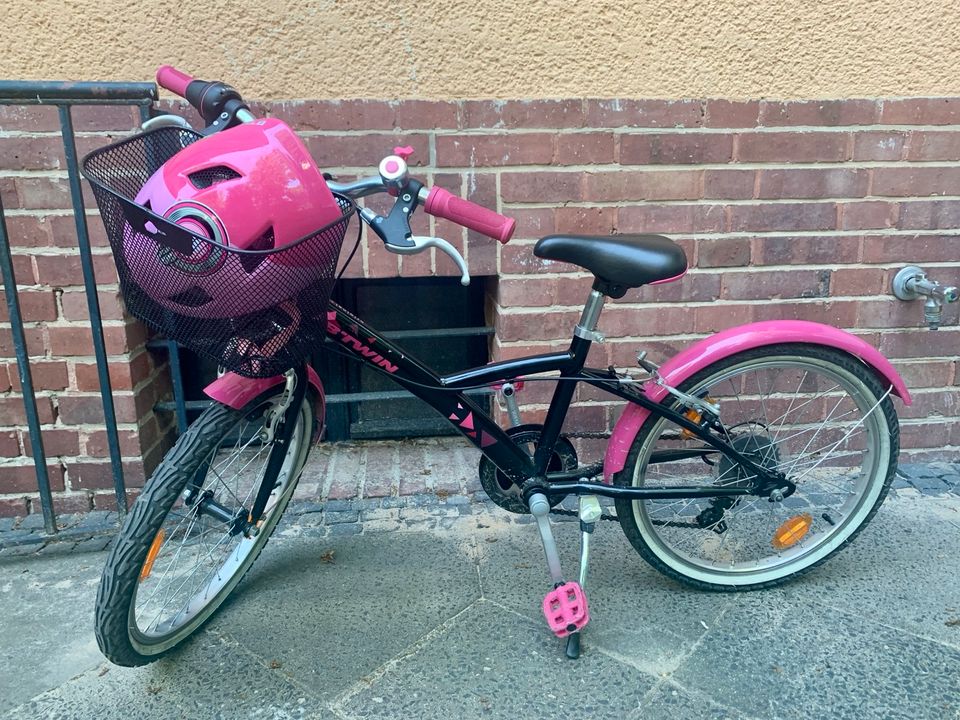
{"type": "Point", "coordinates": [93, 306]}
{"type": "Point", "coordinates": [26, 379]}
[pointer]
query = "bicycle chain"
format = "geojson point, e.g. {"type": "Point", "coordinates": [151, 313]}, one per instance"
{"type": "Point", "coordinates": [574, 513]}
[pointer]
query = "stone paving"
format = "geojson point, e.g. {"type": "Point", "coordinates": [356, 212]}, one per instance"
{"type": "Point", "coordinates": [347, 487]}
{"type": "Point", "coordinates": [443, 621]}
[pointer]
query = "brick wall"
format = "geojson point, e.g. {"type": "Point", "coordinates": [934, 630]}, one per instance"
{"type": "Point", "coordinates": [786, 210]}
{"type": "Point", "coordinates": [36, 200]}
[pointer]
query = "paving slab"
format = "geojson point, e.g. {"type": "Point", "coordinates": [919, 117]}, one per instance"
{"type": "Point", "coordinates": [446, 624]}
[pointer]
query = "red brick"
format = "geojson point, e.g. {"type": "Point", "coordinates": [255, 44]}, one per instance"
{"type": "Point", "coordinates": [921, 111]}
{"type": "Point", "coordinates": [729, 184]}
{"type": "Point", "coordinates": [646, 321]}
{"type": "Point", "coordinates": [33, 337]}
{"type": "Point", "coordinates": [916, 181]}
{"type": "Point", "coordinates": [922, 215]}
{"type": "Point", "coordinates": [868, 215]}
{"type": "Point", "coordinates": [890, 313]}
{"type": "Point", "coordinates": [23, 270]}
{"type": "Point", "coordinates": [842, 314]}
{"type": "Point", "coordinates": [56, 442]}
{"type": "Point", "coordinates": [30, 118]}
{"type": "Point", "coordinates": [74, 304]}
{"type": "Point", "coordinates": [532, 223]}
{"type": "Point", "coordinates": [670, 218]}
{"type": "Point", "coordinates": [819, 112]}
{"type": "Point", "coordinates": [44, 193]}
{"type": "Point", "coordinates": [27, 230]}
{"type": "Point", "coordinates": [731, 113]}
{"type": "Point", "coordinates": [9, 444]}
{"type": "Point", "coordinates": [31, 153]}
{"type": "Point", "coordinates": [586, 220]}
{"type": "Point", "coordinates": [872, 145]}
{"type": "Point", "coordinates": [510, 114]}
{"type": "Point", "coordinates": [675, 148]}
{"type": "Point", "coordinates": [13, 507]}
{"type": "Point", "coordinates": [771, 285]}
{"type": "Point", "coordinates": [541, 187]}
{"type": "Point", "coordinates": [79, 409]}
{"type": "Point", "coordinates": [65, 270]}
{"type": "Point", "coordinates": [910, 248]}
{"type": "Point", "coordinates": [813, 183]}
{"type": "Point", "coordinates": [99, 118]}
{"type": "Point", "coordinates": [124, 375]}
{"type": "Point", "coordinates": [643, 113]}
{"type": "Point", "coordinates": [943, 343]}
{"type": "Point", "coordinates": [723, 252]}
{"type": "Point", "coordinates": [857, 281]}
{"type": "Point", "coordinates": [108, 500]}
{"type": "Point", "coordinates": [539, 326]}
{"type": "Point", "coordinates": [426, 114]}
{"type": "Point", "coordinates": [335, 114]}
{"type": "Point", "coordinates": [13, 414]}
{"type": "Point", "coordinates": [481, 258]}
{"type": "Point", "coordinates": [72, 503]}
{"type": "Point", "coordinates": [495, 150]}
{"type": "Point", "coordinates": [45, 375]}
{"type": "Point", "coordinates": [783, 216]}
{"type": "Point", "coordinates": [642, 185]}
{"type": "Point", "coordinates": [364, 151]}
{"type": "Point", "coordinates": [936, 373]}
{"type": "Point", "coordinates": [35, 306]}
{"type": "Point", "coordinates": [63, 229]}
{"type": "Point", "coordinates": [520, 259]}
{"type": "Point", "coordinates": [8, 193]}
{"type": "Point", "coordinates": [584, 148]}
{"type": "Point", "coordinates": [5, 377]}
{"type": "Point", "coordinates": [820, 250]}
{"type": "Point", "coordinates": [692, 287]}
{"type": "Point", "coordinates": [929, 404]}
{"type": "Point", "coordinates": [934, 146]}
{"type": "Point", "coordinates": [792, 146]}
{"type": "Point", "coordinates": [719, 316]}
{"type": "Point", "coordinates": [23, 478]}
{"type": "Point", "coordinates": [71, 341]}
{"type": "Point", "coordinates": [97, 446]}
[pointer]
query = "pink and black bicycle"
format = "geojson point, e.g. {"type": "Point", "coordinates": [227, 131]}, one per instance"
{"type": "Point", "coordinates": [745, 460]}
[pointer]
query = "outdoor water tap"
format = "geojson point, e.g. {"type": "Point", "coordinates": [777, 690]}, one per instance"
{"type": "Point", "coordinates": [912, 282]}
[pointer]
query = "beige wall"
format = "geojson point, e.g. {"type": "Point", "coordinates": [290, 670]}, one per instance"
{"type": "Point", "coordinates": [515, 48]}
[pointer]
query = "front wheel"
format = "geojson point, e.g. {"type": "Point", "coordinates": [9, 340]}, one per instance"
{"type": "Point", "coordinates": [185, 545]}
{"type": "Point", "coordinates": [816, 414]}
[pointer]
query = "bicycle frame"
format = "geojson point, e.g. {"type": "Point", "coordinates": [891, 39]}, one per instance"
{"type": "Point", "coordinates": [441, 392]}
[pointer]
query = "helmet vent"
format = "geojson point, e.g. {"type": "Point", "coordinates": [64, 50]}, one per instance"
{"type": "Point", "coordinates": [194, 297]}
{"type": "Point", "coordinates": [264, 242]}
{"type": "Point", "coordinates": [203, 179]}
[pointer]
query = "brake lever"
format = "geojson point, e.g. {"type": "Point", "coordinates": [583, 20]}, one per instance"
{"type": "Point", "coordinates": [422, 242]}
{"type": "Point", "coordinates": [165, 120]}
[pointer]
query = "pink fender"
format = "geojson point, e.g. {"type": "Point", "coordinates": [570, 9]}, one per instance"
{"type": "Point", "coordinates": [731, 341]}
{"type": "Point", "coordinates": [236, 391]}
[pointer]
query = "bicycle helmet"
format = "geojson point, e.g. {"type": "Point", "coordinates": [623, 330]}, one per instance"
{"type": "Point", "coordinates": [252, 187]}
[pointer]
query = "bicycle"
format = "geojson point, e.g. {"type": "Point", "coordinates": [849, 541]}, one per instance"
{"type": "Point", "coordinates": [744, 461]}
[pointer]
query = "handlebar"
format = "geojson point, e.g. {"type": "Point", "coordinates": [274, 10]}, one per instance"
{"type": "Point", "coordinates": [219, 104]}
{"type": "Point", "coordinates": [444, 204]}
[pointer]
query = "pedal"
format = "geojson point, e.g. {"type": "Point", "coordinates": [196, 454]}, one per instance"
{"type": "Point", "coordinates": [565, 608]}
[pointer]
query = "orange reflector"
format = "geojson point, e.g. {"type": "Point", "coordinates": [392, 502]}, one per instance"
{"type": "Point", "coordinates": [695, 416]}
{"type": "Point", "coordinates": [792, 531]}
{"type": "Point", "coordinates": [152, 555]}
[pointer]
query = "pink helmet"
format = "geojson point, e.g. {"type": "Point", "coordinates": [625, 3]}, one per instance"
{"type": "Point", "coordinates": [253, 187]}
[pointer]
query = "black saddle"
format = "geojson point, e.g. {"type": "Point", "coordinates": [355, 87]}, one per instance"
{"type": "Point", "coordinates": [619, 262]}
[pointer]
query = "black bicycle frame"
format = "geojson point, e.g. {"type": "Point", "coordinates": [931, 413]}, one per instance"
{"type": "Point", "coordinates": [441, 393]}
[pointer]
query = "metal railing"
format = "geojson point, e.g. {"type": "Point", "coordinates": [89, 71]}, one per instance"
{"type": "Point", "coordinates": [64, 95]}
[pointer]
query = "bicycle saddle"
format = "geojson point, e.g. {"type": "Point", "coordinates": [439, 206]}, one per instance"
{"type": "Point", "coordinates": [628, 261]}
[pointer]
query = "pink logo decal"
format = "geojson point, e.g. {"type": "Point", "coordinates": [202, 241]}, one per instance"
{"type": "Point", "coordinates": [468, 422]}
{"type": "Point", "coordinates": [486, 440]}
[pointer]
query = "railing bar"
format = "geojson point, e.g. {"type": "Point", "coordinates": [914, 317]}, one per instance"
{"type": "Point", "coordinates": [176, 378]}
{"type": "Point", "coordinates": [26, 379]}
{"type": "Point", "coordinates": [28, 91]}
{"type": "Point", "coordinates": [93, 306]}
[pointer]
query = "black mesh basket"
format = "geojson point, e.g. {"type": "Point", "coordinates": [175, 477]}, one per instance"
{"type": "Point", "coordinates": [256, 312]}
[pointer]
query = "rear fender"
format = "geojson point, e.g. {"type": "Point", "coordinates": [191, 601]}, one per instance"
{"type": "Point", "coordinates": [732, 341]}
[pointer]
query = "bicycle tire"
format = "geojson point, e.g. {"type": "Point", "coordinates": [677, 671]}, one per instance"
{"type": "Point", "coordinates": [161, 507]}
{"type": "Point", "coordinates": [694, 543]}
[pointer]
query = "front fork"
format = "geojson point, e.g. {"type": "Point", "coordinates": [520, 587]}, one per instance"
{"type": "Point", "coordinates": [278, 428]}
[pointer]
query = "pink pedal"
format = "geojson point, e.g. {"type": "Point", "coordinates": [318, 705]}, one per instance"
{"type": "Point", "coordinates": [566, 609]}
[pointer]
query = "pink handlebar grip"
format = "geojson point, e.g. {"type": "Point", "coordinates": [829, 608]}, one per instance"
{"type": "Point", "coordinates": [492, 224]}
{"type": "Point", "coordinates": [173, 80]}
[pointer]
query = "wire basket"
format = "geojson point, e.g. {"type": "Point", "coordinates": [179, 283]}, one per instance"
{"type": "Point", "coordinates": [255, 312]}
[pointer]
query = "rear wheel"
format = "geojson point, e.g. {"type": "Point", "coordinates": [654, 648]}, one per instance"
{"type": "Point", "coordinates": [182, 548]}
{"type": "Point", "coordinates": [818, 415]}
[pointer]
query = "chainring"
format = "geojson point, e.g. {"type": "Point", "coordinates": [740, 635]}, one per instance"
{"type": "Point", "coordinates": [501, 489]}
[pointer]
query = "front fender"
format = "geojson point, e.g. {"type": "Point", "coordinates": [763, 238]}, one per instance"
{"type": "Point", "coordinates": [729, 342]}
{"type": "Point", "coordinates": [237, 391]}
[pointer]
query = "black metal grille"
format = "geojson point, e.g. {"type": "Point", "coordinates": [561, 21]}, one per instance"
{"type": "Point", "coordinates": [255, 312]}
{"type": "Point", "coordinates": [211, 176]}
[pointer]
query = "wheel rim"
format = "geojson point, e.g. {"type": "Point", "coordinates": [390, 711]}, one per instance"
{"type": "Point", "coordinates": [835, 461]}
{"type": "Point", "coordinates": [197, 560]}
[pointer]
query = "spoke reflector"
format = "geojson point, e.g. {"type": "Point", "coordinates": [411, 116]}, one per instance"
{"type": "Point", "coordinates": [152, 555]}
{"type": "Point", "coordinates": [792, 531]}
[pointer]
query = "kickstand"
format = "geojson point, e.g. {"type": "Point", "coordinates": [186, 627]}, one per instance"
{"type": "Point", "coordinates": [590, 512]}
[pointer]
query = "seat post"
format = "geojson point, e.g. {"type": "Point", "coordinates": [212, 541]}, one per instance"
{"type": "Point", "coordinates": [587, 327]}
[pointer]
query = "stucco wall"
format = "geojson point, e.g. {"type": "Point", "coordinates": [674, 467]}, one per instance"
{"type": "Point", "coordinates": [514, 48]}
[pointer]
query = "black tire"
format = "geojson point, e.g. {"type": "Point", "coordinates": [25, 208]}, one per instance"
{"type": "Point", "coordinates": [124, 598]}
{"type": "Point", "coordinates": [842, 478]}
